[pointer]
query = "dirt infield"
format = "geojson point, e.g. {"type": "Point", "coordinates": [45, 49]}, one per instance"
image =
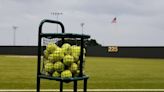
{"type": "Point", "coordinates": [20, 56]}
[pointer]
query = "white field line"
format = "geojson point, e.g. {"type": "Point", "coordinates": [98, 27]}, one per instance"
{"type": "Point", "coordinates": [81, 90]}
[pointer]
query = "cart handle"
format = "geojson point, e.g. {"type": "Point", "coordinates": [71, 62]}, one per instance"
{"type": "Point", "coordinates": [50, 21]}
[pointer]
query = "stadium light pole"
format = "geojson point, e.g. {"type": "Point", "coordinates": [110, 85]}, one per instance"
{"type": "Point", "coordinates": [14, 35]}
{"type": "Point", "coordinates": [57, 17]}
{"type": "Point", "coordinates": [82, 25]}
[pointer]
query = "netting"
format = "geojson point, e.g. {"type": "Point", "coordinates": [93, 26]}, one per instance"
{"type": "Point", "coordinates": [62, 57]}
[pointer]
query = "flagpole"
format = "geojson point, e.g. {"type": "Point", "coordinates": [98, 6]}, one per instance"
{"type": "Point", "coordinates": [114, 29]}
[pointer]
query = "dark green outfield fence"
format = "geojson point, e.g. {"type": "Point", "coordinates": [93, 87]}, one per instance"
{"type": "Point", "coordinates": [18, 50]}
{"type": "Point", "coordinates": [134, 52]}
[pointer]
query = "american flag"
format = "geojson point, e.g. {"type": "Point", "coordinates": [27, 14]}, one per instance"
{"type": "Point", "coordinates": [114, 20]}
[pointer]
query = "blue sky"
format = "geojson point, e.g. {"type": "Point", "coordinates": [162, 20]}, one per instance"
{"type": "Point", "coordinates": [139, 22]}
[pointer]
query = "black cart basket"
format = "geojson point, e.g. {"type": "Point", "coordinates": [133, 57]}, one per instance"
{"type": "Point", "coordinates": [61, 56]}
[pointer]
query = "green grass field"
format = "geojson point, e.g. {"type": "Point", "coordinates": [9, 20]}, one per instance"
{"type": "Point", "coordinates": [105, 73]}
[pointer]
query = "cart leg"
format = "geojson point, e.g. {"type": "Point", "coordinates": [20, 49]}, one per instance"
{"type": "Point", "coordinates": [61, 86]}
{"type": "Point", "coordinates": [75, 86]}
{"type": "Point", "coordinates": [85, 85]}
{"type": "Point", "coordinates": [38, 84]}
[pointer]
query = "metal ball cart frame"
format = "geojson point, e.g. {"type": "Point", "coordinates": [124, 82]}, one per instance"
{"type": "Point", "coordinates": [62, 35]}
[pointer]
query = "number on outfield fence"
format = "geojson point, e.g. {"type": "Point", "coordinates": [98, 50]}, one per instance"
{"type": "Point", "coordinates": [112, 49]}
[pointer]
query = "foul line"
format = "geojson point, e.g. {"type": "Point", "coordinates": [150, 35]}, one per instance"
{"type": "Point", "coordinates": [80, 90]}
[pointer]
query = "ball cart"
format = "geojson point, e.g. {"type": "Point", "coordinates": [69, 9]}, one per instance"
{"type": "Point", "coordinates": [58, 40]}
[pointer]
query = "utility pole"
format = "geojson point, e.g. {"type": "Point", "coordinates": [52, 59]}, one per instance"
{"type": "Point", "coordinates": [14, 34]}
{"type": "Point", "coordinates": [57, 17]}
{"type": "Point", "coordinates": [82, 25]}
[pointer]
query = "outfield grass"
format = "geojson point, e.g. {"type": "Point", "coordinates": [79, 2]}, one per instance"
{"type": "Point", "coordinates": [20, 73]}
